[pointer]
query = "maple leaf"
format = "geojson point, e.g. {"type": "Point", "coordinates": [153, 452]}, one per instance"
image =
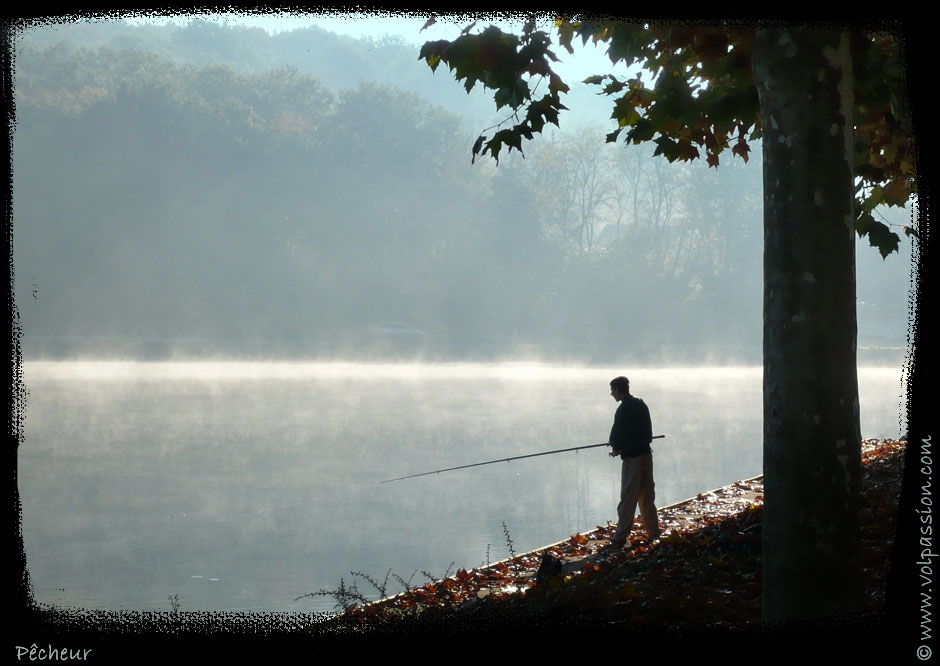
{"type": "Point", "coordinates": [896, 192]}
{"type": "Point", "coordinates": [741, 149]}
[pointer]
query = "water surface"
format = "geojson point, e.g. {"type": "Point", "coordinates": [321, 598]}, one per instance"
{"type": "Point", "coordinates": [242, 486]}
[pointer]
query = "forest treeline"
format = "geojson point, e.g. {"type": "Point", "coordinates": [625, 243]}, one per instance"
{"type": "Point", "coordinates": [241, 209]}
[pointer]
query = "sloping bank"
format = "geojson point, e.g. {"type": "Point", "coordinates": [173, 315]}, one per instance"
{"type": "Point", "coordinates": [704, 572]}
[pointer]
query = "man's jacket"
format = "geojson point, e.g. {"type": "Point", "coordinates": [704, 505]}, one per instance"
{"type": "Point", "coordinates": [633, 429]}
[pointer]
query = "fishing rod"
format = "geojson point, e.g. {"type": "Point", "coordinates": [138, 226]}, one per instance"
{"type": "Point", "coordinates": [489, 462]}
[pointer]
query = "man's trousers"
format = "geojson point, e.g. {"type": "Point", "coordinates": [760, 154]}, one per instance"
{"type": "Point", "coordinates": [636, 487]}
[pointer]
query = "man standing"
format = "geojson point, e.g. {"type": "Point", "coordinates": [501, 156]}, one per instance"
{"type": "Point", "coordinates": [630, 438]}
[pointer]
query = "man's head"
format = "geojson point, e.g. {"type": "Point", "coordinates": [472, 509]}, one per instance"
{"type": "Point", "coordinates": [619, 388]}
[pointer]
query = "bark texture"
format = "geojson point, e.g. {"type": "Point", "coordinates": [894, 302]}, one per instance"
{"type": "Point", "coordinates": [812, 443]}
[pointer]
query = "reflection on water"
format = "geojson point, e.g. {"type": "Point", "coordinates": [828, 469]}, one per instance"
{"type": "Point", "coordinates": [241, 486]}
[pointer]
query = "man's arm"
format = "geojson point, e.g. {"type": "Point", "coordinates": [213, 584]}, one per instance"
{"type": "Point", "coordinates": [647, 423]}
{"type": "Point", "coordinates": [617, 432]}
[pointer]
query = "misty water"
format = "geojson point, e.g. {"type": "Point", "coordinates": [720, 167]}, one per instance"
{"type": "Point", "coordinates": [242, 486]}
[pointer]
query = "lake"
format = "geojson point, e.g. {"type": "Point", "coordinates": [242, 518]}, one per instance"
{"type": "Point", "coordinates": [240, 486]}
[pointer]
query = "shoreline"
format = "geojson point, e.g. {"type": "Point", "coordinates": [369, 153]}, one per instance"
{"type": "Point", "coordinates": [731, 514]}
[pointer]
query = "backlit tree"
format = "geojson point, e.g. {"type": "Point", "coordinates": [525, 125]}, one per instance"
{"type": "Point", "coordinates": [828, 103]}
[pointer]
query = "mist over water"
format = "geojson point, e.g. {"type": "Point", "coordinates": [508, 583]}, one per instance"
{"type": "Point", "coordinates": [241, 486]}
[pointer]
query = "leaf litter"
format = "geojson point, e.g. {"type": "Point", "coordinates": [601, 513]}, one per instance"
{"type": "Point", "coordinates": [704, 570]}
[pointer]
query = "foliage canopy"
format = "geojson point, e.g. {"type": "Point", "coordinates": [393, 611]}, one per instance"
{"type": "Point", "coordinates": [698, 95]}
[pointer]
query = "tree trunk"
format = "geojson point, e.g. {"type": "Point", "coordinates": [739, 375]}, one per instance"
{"type": "Point", "coordinates": [812, 443]}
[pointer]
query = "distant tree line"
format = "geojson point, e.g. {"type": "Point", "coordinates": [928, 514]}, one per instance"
{"type": "Point", "coordinates": [338, 61]}
{"type": "Point", "coordinates": [262, 210]}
